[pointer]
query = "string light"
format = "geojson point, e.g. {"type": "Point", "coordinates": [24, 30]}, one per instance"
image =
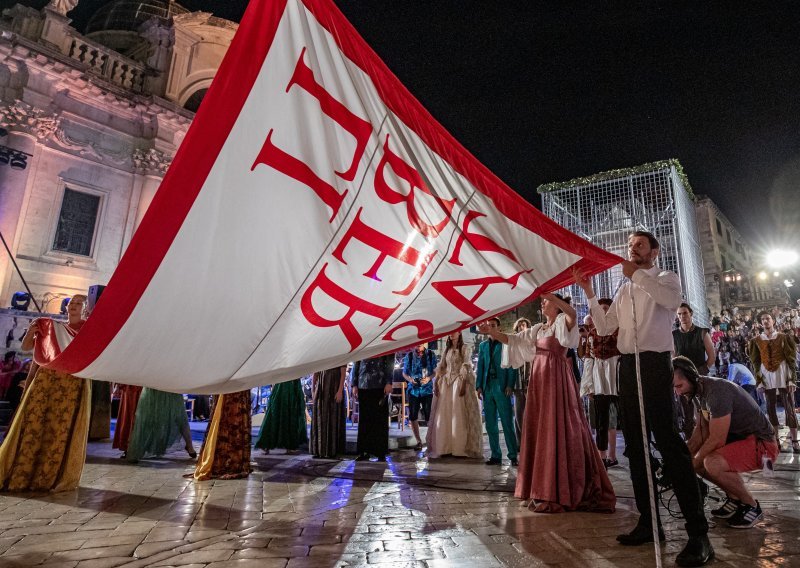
{"type": "Point", "coordinates": [624, 172]}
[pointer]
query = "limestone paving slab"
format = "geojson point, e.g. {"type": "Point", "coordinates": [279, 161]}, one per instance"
{"type": "Point", "coordinates": [295, 511]}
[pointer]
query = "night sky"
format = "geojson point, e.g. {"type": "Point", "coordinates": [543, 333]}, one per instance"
{"type": "Point", "coordinates": [544, 92]}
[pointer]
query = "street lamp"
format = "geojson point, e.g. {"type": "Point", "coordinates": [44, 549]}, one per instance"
{"type": "Point", "coordinates": [780, 258]}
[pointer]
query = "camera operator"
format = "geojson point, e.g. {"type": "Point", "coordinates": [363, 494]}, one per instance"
{"type": "Point", "coordinates": [731, 436]}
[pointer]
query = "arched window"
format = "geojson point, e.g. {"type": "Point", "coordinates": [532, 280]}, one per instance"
{"type": "Point", "coordinates": [193, 102]}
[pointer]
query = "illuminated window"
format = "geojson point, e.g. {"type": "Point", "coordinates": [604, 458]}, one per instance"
{"type": "Point", "coordinates": [76, 223]}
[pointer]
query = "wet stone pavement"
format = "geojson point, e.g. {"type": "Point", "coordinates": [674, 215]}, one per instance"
{"type": "Point", "coordinates": [295, 511]}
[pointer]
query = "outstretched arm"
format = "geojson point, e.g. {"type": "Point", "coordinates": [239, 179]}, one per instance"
{"type": "Point", "coordinates": [569, 312]}
{"type": "Point", "coordinates": [605, 322]}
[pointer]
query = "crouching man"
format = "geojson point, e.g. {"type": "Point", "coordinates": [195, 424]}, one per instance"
{"type": "Point", "coordinates": [731, 436]}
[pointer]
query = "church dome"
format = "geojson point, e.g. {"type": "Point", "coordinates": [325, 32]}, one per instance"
{"type": "Point", "coordinates": [128, 15]}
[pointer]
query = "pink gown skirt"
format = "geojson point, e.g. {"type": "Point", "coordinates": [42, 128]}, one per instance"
{"type": "Point", "coordinates": [560, 468]}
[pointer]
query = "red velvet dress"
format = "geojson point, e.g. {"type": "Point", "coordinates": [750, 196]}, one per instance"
{"type": "Point", "coordinates": [129, 399]}
{"type": "Point", "coordinates": [560, 468]}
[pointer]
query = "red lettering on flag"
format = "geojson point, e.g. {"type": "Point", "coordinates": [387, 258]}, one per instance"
{"type": "Point", "coordinates": [410, 175]}
{"type": "Point", "coordinates": [449, 289]}
{"type": "Point", "coordinates": [293, 167]}
{"type": "Point", "coordinates": [353, 304]}
{"type": "Point", "coordinates": [425, 329]}
{"type": "Point", "coordinates": [478, 242]}
{"type": "Point", "coordinates": [386, 246]}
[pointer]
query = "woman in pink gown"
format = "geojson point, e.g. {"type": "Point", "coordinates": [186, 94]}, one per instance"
{"type": "Point", "coordinates": [559, 467]}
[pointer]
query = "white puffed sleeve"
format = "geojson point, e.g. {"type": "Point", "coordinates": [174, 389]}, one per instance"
{"type": "Point", "coordinates": [566, 337]}
{"type": "Point", "coordinates": [521, 347]}
{"type": "Point", "coordinates": [466, 372]}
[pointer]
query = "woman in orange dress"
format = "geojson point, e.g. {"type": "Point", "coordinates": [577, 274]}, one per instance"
{"type": "Point", "coordinates": [226, 450]}
{"type": "Point", "coordinates": [129, 398]}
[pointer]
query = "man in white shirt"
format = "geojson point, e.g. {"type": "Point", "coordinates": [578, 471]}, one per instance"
{"type": "Point", "coordinates": [657, 294]}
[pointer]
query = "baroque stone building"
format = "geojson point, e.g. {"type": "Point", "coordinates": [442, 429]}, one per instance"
{"type": "Point", "coordinates": [734, 276]}
{"type": "Point", "coordinates": [89, 124]}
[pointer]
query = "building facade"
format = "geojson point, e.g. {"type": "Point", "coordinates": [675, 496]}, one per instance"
{"type": "Point", "coordinates": [89, 124]}
{"type": "Point", "coordinates": [606, 207]}
{"type": "Point", "coordinates": [734, 275]}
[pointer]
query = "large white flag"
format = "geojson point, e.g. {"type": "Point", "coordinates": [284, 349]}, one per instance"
{"type": "Point", "coordinates": [314, 215]}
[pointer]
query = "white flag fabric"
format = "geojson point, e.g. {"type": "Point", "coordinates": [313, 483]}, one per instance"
{"type": "Point", "coordinates": [315, 214]}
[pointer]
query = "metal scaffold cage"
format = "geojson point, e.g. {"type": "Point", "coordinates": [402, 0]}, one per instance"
{"type": "Point", "coordinates": [606, 207]}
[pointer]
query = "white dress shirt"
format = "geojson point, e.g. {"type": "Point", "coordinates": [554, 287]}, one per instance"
{"type": "Point", "coordinates": [657, 295]}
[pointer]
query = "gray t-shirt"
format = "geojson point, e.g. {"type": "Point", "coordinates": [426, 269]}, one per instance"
{"type": "Point", "coordinates": [717, 398]}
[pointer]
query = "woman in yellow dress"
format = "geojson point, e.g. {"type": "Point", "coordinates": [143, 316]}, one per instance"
{"type": "Point", "coordinates": [226, 450]}
{"type": "Point", "coordinates": [45, 447]}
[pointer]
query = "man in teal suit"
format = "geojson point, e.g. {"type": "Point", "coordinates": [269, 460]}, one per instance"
{"type": "Point", "coordinates": [495, 386]}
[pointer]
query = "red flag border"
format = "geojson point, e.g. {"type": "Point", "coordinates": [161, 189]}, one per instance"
{"type": "Point", "coordinates": [209, 131]}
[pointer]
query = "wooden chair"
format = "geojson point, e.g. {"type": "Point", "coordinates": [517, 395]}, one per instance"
{"type": "Point", "coordinates": [189, 402]}
{"type": "Point", "coordinates": [402, 414]}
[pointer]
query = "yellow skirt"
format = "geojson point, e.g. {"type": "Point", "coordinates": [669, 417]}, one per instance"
{"type": "Point", "coordinates": [45, 447]}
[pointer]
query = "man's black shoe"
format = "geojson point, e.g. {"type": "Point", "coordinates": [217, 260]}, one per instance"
{"type": "Point", "coordinates": [362, 457]}
{"type": "Point", "coordinates": [640, 535]}
{"type": "Point", "coordinates": [697, 552]}
{"type": "Point", "coordinates": [494, 461]}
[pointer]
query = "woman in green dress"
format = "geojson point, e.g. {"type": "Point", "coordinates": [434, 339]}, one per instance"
{"type": "Point", "coordinates": [284, 423]}
{"type": "Point", "coordinates": [160, 421]}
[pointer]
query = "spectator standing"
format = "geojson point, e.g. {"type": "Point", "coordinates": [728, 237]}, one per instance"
{"type": "Point", "coordinates": [328, 413]}
{"type": "Point", "coordinates": [695, 343]}
{"type": "Point", "coordinates": [773, 356]}
{"type": "Point", "coordinates": [8, 368]}
{"type": "Point", "coordinates": [419, 366]}
{"type": "Point", "coordinates": [455, 426]}
{"type": "Point", "coordinates": [604, 389]}
{"type": "Point", "coordinates": [494, 386]}
{"type": "Point", "coordinates": [284, 424]}
{"type": "Point", "coordinates": [372, 385]}
{"type": "Point", "coordinates": [521, 385]}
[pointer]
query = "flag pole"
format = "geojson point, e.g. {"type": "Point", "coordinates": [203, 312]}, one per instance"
{"type": "Point", "coordinates": [24, 283]}
{"type": "Point", "coordinates": [645, 437]}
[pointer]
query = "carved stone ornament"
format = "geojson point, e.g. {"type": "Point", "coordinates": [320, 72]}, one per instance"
{"type": "Point", "coordinates": [22, 117]}
{"type": "Point", "coordinates": [62, 6]}
{"type": "Point", "coordinates": [151, 160]}
{"type": "Point", "coordinates": [87, 147]}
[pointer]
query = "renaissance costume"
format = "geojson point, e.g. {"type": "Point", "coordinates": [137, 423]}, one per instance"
{"type": "Point", "coordinates": [559, 468]}
{"type": "Point", "coordinates": [226, 450]}
{"type": "Point", "coordinates": [45, 447]}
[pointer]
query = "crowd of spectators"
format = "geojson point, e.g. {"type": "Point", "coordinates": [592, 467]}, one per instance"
{"type": "Point", "coordinates": [733, 329]}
